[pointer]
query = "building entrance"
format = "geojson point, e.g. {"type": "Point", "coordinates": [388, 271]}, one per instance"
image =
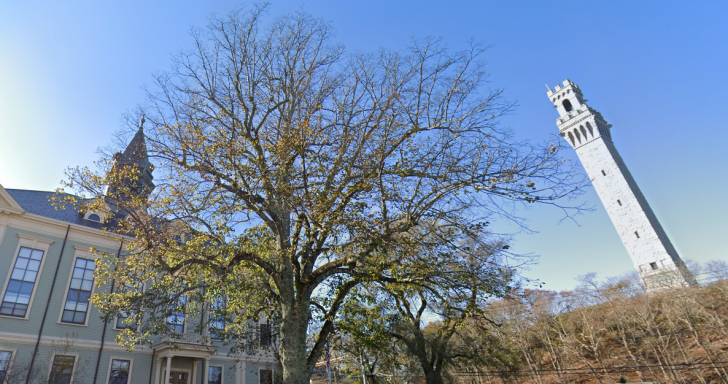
{"type": "Point", "coordinates": [178, 377]}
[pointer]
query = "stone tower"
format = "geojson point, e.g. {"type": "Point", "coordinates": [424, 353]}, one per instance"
{"type": "Point", "coordinates": [652, 253]}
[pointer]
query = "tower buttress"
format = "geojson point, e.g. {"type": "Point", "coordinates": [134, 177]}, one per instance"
{"type": "Point", "coordinates": [652, 253]}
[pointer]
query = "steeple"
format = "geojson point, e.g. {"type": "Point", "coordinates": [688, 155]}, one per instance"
{"type": "Point", "coordinates": [133, 167]}
{"type": "Point", "coordinates": [652, 253]}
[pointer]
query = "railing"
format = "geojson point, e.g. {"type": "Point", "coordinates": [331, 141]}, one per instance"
{"type": "Point", "coordinates": [186, 338]}
{"type": "Point", "coordinates": [573, 113]}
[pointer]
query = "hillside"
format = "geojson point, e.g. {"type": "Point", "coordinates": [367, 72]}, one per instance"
{"type": "Point", "coordinates": [602, 333]}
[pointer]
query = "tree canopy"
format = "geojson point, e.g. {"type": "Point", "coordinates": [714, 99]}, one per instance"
{"type": "Point", "coordinates": [289, 172]}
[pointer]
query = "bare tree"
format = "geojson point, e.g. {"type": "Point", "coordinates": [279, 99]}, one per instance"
{"type": "Point", "coordinates": [23, 372]}
{"type": "Point", "coordinates": [289, 172]}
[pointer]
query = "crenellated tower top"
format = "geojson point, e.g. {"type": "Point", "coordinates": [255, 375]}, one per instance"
{"type": "Point", "coordinates": [577, 122]}
{"type": "Point", "coordinates": [567, 99]}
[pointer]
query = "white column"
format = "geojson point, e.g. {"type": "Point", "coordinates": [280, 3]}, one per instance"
{"type": "Point", "coordinates": [194, 370]}
{"type": "Point", "coordinates": [158, 372]}
{"type": "Point", "coordinates": [206, 372]}
{"type": "Point", "coordinates": [241, 372]}
{"type": "Point", "coordinates": [169, 368]}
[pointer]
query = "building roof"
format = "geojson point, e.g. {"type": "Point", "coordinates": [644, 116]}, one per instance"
{"type": "Point", "coordinates": [40, 203]}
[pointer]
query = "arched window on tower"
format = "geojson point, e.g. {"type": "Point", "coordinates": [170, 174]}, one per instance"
{"type": "Point", "coordinates": [571, 137]}
{"type": "Point", "coordinates": [567, 105]}
{"type": "Point", "coordinates": [589, 127]}
{"type": "Point", "coordinates": [583, 132]}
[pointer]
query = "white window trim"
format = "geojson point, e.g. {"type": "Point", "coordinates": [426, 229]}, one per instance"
{"type": "Point", "coordinates": [222, 375]}
{"type": "Point", "coordinates": [28, 241]}
{"type": "Point", "coordinates": [103, 213]}
{"type": "Point", "coordinates": [75, 364]}
{"type": "Point", "coordinates": [84, 253]}
{"type": "Point", "coordinates": [131, 366]}
{"type": "Point", "coordinates": [209, 323]}
{"type": "Point", "coordinates": [117, 317]}
{"type": "Point", "coordinates": [184, 320]}
{"type": "Point", "coordinates": [12, 358]}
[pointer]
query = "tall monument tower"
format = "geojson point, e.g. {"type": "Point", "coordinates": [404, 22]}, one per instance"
{"type": "Point", "coordinates": [652, 253]}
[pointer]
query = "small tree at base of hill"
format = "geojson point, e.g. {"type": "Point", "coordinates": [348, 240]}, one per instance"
{"type": "Point", "coordinates": [452, 292]}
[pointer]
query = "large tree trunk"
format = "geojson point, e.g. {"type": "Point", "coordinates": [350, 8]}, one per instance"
{"type": "Point", "coordinates": [434, 377]}
{"type": "Point", "coordinates": [294, 359]}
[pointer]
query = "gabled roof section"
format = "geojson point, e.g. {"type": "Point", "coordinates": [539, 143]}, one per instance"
{"type": "Point", "coordinates": [40, 203]}
{"type": "Point", "coordinates": [8, 203]}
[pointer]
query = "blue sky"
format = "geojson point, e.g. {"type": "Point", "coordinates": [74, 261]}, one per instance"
{"type": "Point", "coordinates": [655, 69]}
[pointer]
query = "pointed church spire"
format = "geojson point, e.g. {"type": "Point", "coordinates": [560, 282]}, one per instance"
{"type": "Point", "coordinates": [136, 151]}
{"type": "Point", "coordinates": [135, 156]}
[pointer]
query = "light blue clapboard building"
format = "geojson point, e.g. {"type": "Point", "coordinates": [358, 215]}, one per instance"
{"type": "Point", "coordinates": [49, 333]}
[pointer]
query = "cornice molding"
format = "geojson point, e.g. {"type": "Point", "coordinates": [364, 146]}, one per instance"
{"type": "Point", "coordinates": [56, 228]}
{"type": "Point", "coordinates": [35, 238]}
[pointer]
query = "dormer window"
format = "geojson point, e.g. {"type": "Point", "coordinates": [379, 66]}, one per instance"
{"type": "Point", "coordinates": [94, 216]}
{"type": "Point", "coordinates": [94, 211]}
{"type": "Point", "coordinates": [567, 105]}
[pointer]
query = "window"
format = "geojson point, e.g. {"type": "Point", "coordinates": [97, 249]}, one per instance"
{"type": "Point", "coordinates": [604, 173]}
{"type": "Point", "coordinates": [119, 371]}
{"type": "Point", "coordinates": [214, 375]}
{"type": "Point", "coordinates": [619, 202]}
{"type": "Point", "coordinates": [121, 318]}
{"type": "Point", "coordinates": [22, 281]}
{"type": "Point", "coordinates": [266, 336]}
{"type": "Point", "coordinates": [567, 105]}
{"type": "Point", "coordinates": [94, 217]}
{"type": "Point", "coordinates": [4, 364]}
{"type": "Point", "coordinates": [79, 291]}
{"type": "Point", "coordinates": [578, 135]}
{"type": "Point", "coordinates": [653, 265]}
{"type": "Point", "coordinates": [266, 376]}
{"type": "Point", "coordinates": [176, 319]}
{"type": "Point", "coordinates": [217, 318]}
{"type": "Point", "coordinates": [637, 234]}
{"type": "Point", "coordinates": [62, 369]}
{"type": "Point", "coordinates": [122, 324]}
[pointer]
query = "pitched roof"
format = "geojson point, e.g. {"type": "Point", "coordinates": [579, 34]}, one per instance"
{"type": "Point", "coordinates": [39, 203]}
{"type": "Point", "coordinates": [7, 203]}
